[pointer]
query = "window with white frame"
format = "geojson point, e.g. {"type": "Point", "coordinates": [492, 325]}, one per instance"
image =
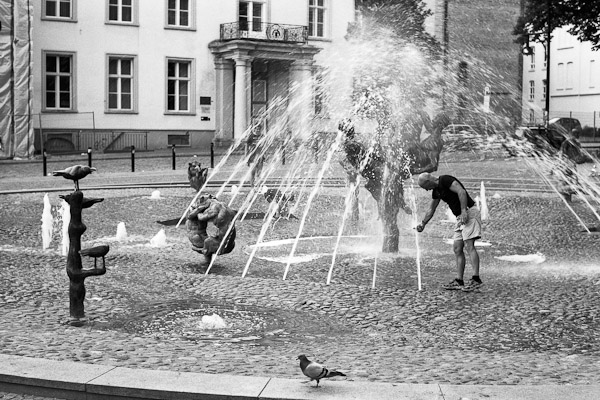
{"type": "Point", "coordinates": [251, 15]}
{"type": "Point", "coordinates": [317, 13]}
{"type": "Point", "coordinates": [531, 116]}
{"type": "Point", "coordinates": [59, 9]}
{"type": "Point", "coordinates": [544, 89]}
{"type": "Point", "coordinates": [570, 71]}
{"type": "Point", "coordinates": [58, 81]}
{"type": "Point", "coordinates": [180, 14]}
{"type": "Point", "coordinates": [121, 83]}
{"type": "Point", "coordinates": [561, 75]}
{"type": "Point", "coordinates": [122, 11]}
{"type": "Point", "coordinates": [180, 86]}
{"type": "Point", "coordinates": [545, 58]}
{"type": "Point", "coordinates": [532, 59]}
{"type": "Point", "coordinates": [531, 90]}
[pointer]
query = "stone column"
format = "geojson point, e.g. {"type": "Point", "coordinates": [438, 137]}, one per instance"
{"type": "Point", "coordinates": [301, 109]}
{"type": "Point", "coordinates": [224, 99]}
{"type": "Point", "coordinates": [242, 86]}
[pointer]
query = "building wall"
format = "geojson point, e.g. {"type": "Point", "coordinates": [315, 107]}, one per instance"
{"type": "Point", "coordinates": [92, 39]}
{"type": "Point", "coordinates": [574, 80]}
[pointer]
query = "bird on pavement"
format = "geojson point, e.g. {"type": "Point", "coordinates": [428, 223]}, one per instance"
{"type": "Point", "coordinates": [95, 252]}
{"type": "Point", "coordinates": [75, 173]}
{"type": "Point", "coordinates": [316, 371]}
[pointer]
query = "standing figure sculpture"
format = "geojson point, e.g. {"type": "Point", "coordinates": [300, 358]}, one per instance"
{"type": "Point", "coordinates": [426, 154]}
{"type": "Point", "coordinates": [197, 175]}
{"type": "Point", "coordinates": [384, 167]}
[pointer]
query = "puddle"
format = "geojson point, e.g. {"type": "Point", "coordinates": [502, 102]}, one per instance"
{"type": "Point", "coordinates": [183, 319]}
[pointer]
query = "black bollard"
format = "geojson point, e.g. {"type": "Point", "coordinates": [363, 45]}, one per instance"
{"type": "Point", "coordinates": [212, 155]}
{"type": "Point", "coordinates": [90, 157]}
{"type": "Point", "coordinates": [132, 158]}
{"type": "Point", "coordinates": [45, 163]}
{"type": "Point", "coordinates": [173, 156]}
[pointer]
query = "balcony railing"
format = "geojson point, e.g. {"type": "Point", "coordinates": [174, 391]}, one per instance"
{"type": "Point", "coordinates": [264, 31]}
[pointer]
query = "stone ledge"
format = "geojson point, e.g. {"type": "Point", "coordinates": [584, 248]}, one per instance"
{"type": "Point", "coordinates": [74, 380]}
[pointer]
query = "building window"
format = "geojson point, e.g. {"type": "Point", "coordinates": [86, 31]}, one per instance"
{"type": "Point", "coordinates": [180, 14]}
{"type": "Point", "coordinates": [531, 116]}
{"type": "Point", "coordinates": [250, 15]}
{"type": "Point", "coordinates": [544, 89]}
{"type": "Point", "coordinates": [531, 90]}
{"type": "Point", "coordinates": [122, 11]}
{"type": "Point", "coordinates": [179, 86]}
{"type": "Point", "coordinates": [560, 73]}
{"type": "Point", "coordinates": [545, 58]}
{"type": "Point", "coordinates": [121, 83]}
{"type": "Point", "coordinates": [58, 81]}
{"type": "Point", "coordinates": [569, 75]}
{"type": "Point", "coordinates": [59, 9]}
{"type": "Point", "coordinates": [316, 18]}
{"type": "Point", "coordinates": [532, 59]}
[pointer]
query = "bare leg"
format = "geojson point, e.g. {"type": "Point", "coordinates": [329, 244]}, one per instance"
{"type": "Point", "coordinates": [460, 258]}
{"type": "Point", "coordinates": [473, 255]}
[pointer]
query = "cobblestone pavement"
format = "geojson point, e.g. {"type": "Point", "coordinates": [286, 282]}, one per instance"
{"type": "Point", "coordinates": [532, 323]}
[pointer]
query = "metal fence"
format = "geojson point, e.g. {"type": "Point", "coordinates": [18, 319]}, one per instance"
{"type": "Point", "coordinates": [264, 31]}
{"type": "Point", "coordinates": [587, 119]}
{"type": "Point", "coordinates": [64, 141]}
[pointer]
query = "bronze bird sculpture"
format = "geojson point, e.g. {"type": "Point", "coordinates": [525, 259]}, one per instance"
{"type": "Point", "coordinates": [316, 371]}
{"type": "Point", "coordinates": [96, 252]}
{"type": "Point", "coordinates": [75, 173]}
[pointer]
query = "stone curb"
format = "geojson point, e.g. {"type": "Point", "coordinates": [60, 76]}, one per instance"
{"type": "Point", "coordinates": [74, 380]}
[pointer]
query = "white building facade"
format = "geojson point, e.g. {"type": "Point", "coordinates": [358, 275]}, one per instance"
{"type": "Point", "coordinates": [113, 74]}
{"type": "Point", "coordinates": [574, 81]}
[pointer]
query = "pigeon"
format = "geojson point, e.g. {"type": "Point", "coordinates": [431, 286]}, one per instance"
{"type": "Point", "coordinates": [95, 252]}
{"type": "Point", "coordinates": [316, 371]}
{"type": "Point", "coordinates": [75, 173]}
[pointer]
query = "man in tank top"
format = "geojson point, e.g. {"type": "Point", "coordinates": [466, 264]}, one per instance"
{"type": "Point", "coordinates": [468, 224]}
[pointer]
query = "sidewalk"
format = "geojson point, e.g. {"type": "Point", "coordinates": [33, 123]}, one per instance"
{"type": "Point", "coordinates": [72, 380]}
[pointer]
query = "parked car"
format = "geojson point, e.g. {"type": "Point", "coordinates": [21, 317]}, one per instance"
{"type": "Point", "coordinates": [567, 123]}
{"type": "Point", "coordinates": [540, 137]}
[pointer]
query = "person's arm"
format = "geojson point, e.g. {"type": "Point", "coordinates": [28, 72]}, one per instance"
{"type": "Point", "coordinates": [462, 196]}
{"type": "Point", "coordinates": [428, 215]}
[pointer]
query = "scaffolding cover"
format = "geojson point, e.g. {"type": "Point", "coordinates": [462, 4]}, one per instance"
{"type": "Point", "coordinates": [6, 110]}
{"type": "Point", "coordinates": [16, 83]}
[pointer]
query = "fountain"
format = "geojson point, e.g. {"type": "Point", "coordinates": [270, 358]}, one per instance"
{"type": "Point", "coordinates": [47, 223]}
{"type": "Point", "coordinates": [121, 232]}
{"type": "Point", "coordinates": [159, 240]}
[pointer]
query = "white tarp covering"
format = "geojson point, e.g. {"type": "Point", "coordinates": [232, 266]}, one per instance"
{"type": "Point", "coordinates": [16, 80]}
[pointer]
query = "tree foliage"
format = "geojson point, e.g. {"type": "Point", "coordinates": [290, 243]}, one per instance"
{"type": "Point", "coordinates": [582, 17]}
{"type": "Point", "coordinates": [405, 18]}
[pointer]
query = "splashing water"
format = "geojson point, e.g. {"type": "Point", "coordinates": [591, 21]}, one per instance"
{"type": "Point", "coordinates": [65, 216]}
{"type": "Point", "coordinates": [159, 240]}
{"type": "Point", "coordinates": [413, 206]}
{"type": "Point", "coordinates": [484, 207]}
{"type": "Point", "coordinates": [121, 232]}
{"type": "Point", "coordinates": [213, 321]}
{"type": "Point", "coordinates": [47, 223]}
{"type": "Point", "coordinates": [155, 195]}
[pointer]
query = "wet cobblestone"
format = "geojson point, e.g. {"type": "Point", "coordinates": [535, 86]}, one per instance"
{"type": "Point", "coordinates": [531, 324]}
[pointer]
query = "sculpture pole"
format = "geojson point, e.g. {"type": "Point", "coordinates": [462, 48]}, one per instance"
{"type": "Point", "coordinates": [75, 269]}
